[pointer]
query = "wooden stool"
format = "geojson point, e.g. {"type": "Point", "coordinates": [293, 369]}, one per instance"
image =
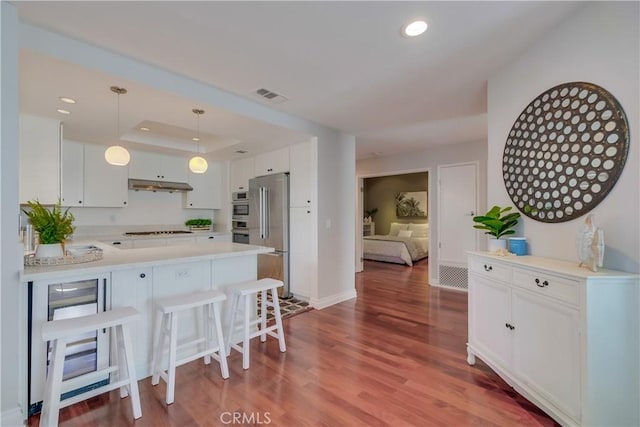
{"type": "Point", "coordinates": [247, 290]}
{"type": "Point", "coordinates": [60, 332]}
{"type": "Point", "coordinates": [169, 309]}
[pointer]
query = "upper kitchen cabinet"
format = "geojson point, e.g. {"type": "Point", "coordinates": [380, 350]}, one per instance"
{"type": "Point", "coordinates": [72, 173]}
{"type": "Point", "coordinates": [272, 162]}
{"type": "Point", "coordinates": [40, 140]}
{"type": "Point", "coordinates": [240, 172]}
{"type": "Point", "coordinates": [302, 172]}
{"type": "Point", "coordinates": [88, 180]}
{"type": "Point", "coordinates": [207, 188]}
{"type": "Point", "coordinates": [157, 167]}
{"type": "Point", "coordinates": [105, 185]}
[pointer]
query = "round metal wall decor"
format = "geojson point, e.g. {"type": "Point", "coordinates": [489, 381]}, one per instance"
{"type": "Point", "coordinates": [565, 152]}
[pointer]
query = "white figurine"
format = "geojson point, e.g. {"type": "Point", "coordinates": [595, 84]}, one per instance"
{"type": "Point", "coordinates": [590, 244]}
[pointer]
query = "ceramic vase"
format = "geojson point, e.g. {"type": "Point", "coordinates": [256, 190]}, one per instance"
{"type": "Point", "coordinates": [495, 244]}
{"type": "Point", "coordinates": [49, 250]}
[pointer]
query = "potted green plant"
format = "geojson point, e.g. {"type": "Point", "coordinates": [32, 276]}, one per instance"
{"type": "Point", "coordinates": [53, 226]}
{"type": "Point", "coordinates": [199, 224]}
{"type": "Point", "coordinates": [497, 222]}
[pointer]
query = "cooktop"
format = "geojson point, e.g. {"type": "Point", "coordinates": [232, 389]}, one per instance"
{"type": "Point", "coordinates": [154, 233]}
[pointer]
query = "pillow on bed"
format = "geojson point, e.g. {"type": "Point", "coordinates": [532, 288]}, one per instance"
{"type": "Point", "coordinates": [419, 230]}
{"type": "Point", "coordinates": [396, 227]}
{"type": "Point", "coordinates": [405, 233]}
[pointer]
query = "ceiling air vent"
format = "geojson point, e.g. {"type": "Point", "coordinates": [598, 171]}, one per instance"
{"type": "Point", "coordinates": [270, 96]}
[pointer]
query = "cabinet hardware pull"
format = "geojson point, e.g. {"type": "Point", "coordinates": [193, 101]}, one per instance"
{"type": "Point", "coordinates": [545, 283]}
{"type": "Point", "coordinates": [512, 327]}
{"type": "Point", "coordinates": [506, 325]}
{"type": "Point", "coordinates": [116, 243]}
{"type": "Point", "coordinates": [487, 267]}
{"type": "Point", "coordinates": [211, 237]}
{"type": "Point", "coordinates": [142, 275]}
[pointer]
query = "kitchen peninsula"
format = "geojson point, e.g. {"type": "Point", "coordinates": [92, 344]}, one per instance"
{"type": "Point", "coordinates": [123, 277]}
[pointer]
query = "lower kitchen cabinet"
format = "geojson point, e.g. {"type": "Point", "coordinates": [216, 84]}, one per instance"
{"type": "Point", "coordinates": [564, 337]}
{"type": "Point", "coordinates": [134, 288]}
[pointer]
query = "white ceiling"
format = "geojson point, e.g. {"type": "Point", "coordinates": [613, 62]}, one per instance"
{"type": "Point", "coordinates": [340, 64]}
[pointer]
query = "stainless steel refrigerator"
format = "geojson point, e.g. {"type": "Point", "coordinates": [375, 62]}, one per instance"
{"type": "Point", "coordinates": [269, 225]}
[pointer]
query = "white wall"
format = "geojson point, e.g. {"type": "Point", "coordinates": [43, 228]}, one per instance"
{"type": "Point", "coordinates": [12, 388]}
{"type": "Point", "coordinates": [599, 44]}
{"type": "Point", "coordinates": [336, 210]}
{"type": "Point", "coordinates": [430, 158]}
{"type": "Point", "coordinates": [143, 208]}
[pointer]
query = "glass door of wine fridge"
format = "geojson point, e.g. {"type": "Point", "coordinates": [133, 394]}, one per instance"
{"type": "Point", "coordinates": [85, 353]}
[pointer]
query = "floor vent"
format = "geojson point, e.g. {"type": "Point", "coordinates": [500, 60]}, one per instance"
{"type": "Point", "coordinates": [274, 98]}
{"type": "Point", "coordinates": [453, 277]}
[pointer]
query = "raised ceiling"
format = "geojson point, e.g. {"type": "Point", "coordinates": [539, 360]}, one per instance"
{"type": "Point", "coordinates": [340, 64]}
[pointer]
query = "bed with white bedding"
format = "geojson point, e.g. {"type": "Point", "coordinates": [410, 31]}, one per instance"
{"type": "Point", "coordinates": [404, 244]}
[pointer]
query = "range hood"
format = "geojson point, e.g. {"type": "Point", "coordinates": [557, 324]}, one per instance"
{"type": "Point", "coordinates": [148, 185]}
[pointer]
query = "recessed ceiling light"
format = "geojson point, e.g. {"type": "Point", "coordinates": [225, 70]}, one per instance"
{"type": "Point", "coordinates": [67, 100]}
{"type": "Point", "coordinates": [145, 129]}
{"type": "Point", "coordinates": [414, 28]}
{"type": "Point", "coordinates": [195, 139]}
{"type": "Point", "coordinates": [63, 111]}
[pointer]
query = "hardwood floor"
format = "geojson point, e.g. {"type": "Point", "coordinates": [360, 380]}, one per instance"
{"type": "Point", "coordinates": [394, 356]}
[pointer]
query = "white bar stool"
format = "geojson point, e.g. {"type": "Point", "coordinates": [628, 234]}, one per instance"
{"type": "Point", "coordinates": [246, 290]}
{"type": "Point", "coordinates": [60, 332]}
{"type": "Point", "coordinates": [169, 308]}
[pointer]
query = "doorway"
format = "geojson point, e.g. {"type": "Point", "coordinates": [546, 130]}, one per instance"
{"type": "Point", "coordinates": [377, 206]}
{"type": "Point", "coordinates": [457, 205]}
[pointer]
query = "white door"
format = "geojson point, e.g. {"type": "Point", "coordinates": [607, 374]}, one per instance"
{"type": "Point", "coordinates": [457, 204]}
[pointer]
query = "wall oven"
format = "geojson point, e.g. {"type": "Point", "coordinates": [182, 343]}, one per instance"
{"type": "Point", "coordinates": [85, 353]}
{"type": "Point", "coordinates": [240, 206]}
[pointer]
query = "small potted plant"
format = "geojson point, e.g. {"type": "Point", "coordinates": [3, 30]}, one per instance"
{"type": "Point", "coordinates": [497, 223]}
{"type": "Point", "coordinates": [369, 214]}
{"type": "Point", "coordinates": [53, 226]}
{"type": "Point", "coordinates": [199, 224]}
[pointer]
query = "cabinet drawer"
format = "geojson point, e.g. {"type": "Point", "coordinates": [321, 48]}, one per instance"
{"type": "Point", "coordinates": [547, 284]}
{"type": "Point", "coordinates": [487, 268]}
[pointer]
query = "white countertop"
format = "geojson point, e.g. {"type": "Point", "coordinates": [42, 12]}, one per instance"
{"type": "Point", "coordinates": [122, 259]}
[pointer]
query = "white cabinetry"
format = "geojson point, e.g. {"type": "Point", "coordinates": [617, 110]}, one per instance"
{"type": "Point", "coordinates": [157, 167]}
{"type": "Point", "coordinates": [105, 185]}
{"type": "Point", "coordinates": [301, 263]}
{"type": "Point", "coordinates": [566, 338]}
{"type": "Point", "coordinates": [240, 172]}
{"type": "Point", "coordinates": [72, 173]}
{"type": "Point", "coordinates": [134, 288]}
{"type": "Point", "coordinates": [302, 167]}
{"type": "Point", "coordinates": [88, 180]}
{"type": "Point", "coordinates": [39, 159]}
{"type": "Point", "coordinates": [272, 162]}
{"type": "Point", "coordinates": [207, 189]}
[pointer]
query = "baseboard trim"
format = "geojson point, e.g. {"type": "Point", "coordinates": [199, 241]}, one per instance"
{"type": "Point", "coordinates": [321, 303]}
{"type": "Point", "coordinates": [450, 288]}
{"type": "Point", "coordinates": [12, 418]}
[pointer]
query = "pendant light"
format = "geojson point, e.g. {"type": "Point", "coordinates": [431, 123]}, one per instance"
{"type": "Point", "coordinates": [117, 155]}
{"type": "Point", "coordinates": [198, 164]}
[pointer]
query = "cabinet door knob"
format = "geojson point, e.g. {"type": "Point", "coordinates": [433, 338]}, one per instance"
{"type": "Point", "coordinates": [487, 267]}
{"type": "Point", "coordinates": [80, 201]}
{"type": "Point", "coordinates": [124, 203]}
{"type": "Point", "coordinates": [142, 275]}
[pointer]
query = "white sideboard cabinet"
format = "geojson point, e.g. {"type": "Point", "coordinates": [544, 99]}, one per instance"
{"type": "Point", "coordinates": [565, 337]}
